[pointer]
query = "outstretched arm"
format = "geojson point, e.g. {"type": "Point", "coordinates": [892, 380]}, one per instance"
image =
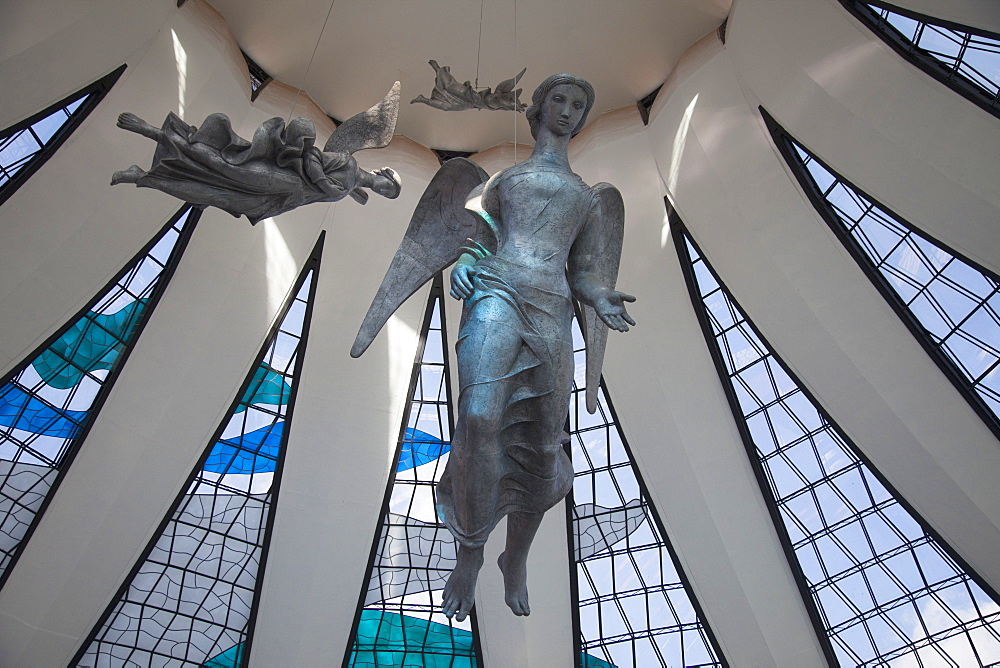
{"type": "Point", "coordinates": [588, 277]}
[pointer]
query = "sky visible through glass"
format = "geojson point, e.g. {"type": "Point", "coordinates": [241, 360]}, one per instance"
{"type": "Point", "coordinates": [401, 623]}
{"type": "Point", "coordinates": [190, 601]}
{"type": "Point", "coordinates": [18, 149]}
{"type": "Point", "coordinates": [634, 609]}
{"type": "Point", "coordinates": [49, 400]}
{"type": "Point", "coordinates": [956, 304]}
{"type": "Point", "coordinates": [887, 593]}
{"type": "Point", "coordinates": [966, 55]}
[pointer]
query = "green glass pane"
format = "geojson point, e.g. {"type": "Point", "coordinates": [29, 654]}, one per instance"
{"type": "Point", "coordinates": [389, 639]}
{"type": "Point", "coordinates": [588, 661]}
{"type": "Point", "coordinates": [231, 658]}
{"type": "Point", "coordinates": [267, 387]}
{"type": "Point", "coordinates": [93, 342]}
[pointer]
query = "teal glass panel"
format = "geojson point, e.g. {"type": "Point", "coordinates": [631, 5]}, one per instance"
{"type": "Point", "coordinates": [588, 661]}
{"type": "Point", "coordinates": [48, 401]}
{"type": "Point", "coordinates": [93, 342]}
{"type": "Point", "coordinates": [382, 634]}
{"type": "Point", "coordinates": [190, 599]}
{"type": "Point", "coordinates": [231, 658]}
{"type": "Point", "coordinates": [400, 623]}
{"type": "Point", "coordinates": [267, 387]}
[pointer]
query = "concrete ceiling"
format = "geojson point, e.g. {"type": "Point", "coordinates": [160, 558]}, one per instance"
{"type": "Point", "coordinates": [346, 53]}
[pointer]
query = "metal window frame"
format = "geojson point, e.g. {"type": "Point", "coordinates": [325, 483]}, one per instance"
{"type": "Point", "coordinates": [311, 264]}
{"type": "Point", "coordinates": [109, 381]}
{"type": "Point", "coordinates": [436, 292]}
{"type": "Point", "coordinates": [680, 233]}
{"type": "Point", "coordinates": [657, 524]}
{"type": "Point", "coordinates": [782, 141]}
{"type": "Point", "coordinates": [100, 88]}
{"type": "Point", "coordinates": [917, 56]}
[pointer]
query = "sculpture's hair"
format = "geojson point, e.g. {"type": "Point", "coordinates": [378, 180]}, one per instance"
{"type": "Point", "coordinates": [534, 113]}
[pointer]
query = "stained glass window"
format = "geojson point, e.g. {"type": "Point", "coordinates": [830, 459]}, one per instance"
{"type": "Point", "coordinates": [190, 600]}
{"type": "Point", "coordinates": [950, 303]}
{"type": "Point", "coordinates": [48, 402]}
{"type": "Point", "coordinates": [964, 58]}
{"type": "Point", "coordinates": [400, 623]}
{"type": "Point", "coordinates": [634, 608]}
{"type": "Point", "coordinates": [25, 146]}
{"type": "Point", "coordinates": [886, 588]}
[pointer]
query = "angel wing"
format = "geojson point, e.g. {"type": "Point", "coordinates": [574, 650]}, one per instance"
{"type": "Point", "coordinates": [507, 85]}
{"type": "Point", "coordinates": [369, 129]}
{"type": "Point", "coordinates": [439, 228]}
{"type": "Point", "coordinates": [607, 257]}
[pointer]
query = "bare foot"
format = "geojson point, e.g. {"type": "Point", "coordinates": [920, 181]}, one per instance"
{"type": "Point", "coordinates": [130, 175]}
{"type": "Point", "coordinates": [515, 584]}
{"type": "Point", "coordinates": [460, 592]}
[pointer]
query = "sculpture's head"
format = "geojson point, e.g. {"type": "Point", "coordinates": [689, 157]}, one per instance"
{"type": "Point", "coordinates": [541, 95]}
{"type": "Point", "coordinates": [386, 182]}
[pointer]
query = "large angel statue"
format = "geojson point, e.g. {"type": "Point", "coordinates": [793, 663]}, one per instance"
{"type": "Point", "coordinates": [536, 239]}
{"type": "Point", "coordinates": [279, 170]}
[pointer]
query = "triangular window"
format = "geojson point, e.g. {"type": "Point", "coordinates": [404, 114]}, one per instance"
{"type": "Point", "coordinates": [191, 598]}
{"type": "Point", "coordinates": [399, 621]}
{"type": "Point", "coordinates": [25, 146]}
{"type": "Point", "coordinates": [880, 584]}
{"type": "Point", "coordinates": [49, 401]}
{"type": "Point", "coordinates": [633, 604]}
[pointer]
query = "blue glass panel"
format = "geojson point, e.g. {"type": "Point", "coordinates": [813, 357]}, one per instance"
{"type": "Point", "coordinates": [253, 452]}
{"type": "Point", "coordinates": [886, 590]}
{"type": "Point", "coordinates": [400, 623]}
{"type": "Point", "coordinates": [189, 600]}
{"type": "Point", "coordinates": [634, 608]}
{"type": "Point", "coordinates": [419, 448]}
{"type": "Point", "coordinates": [48, 400]}
{"type": "Point", "coordinates": [25, 412]}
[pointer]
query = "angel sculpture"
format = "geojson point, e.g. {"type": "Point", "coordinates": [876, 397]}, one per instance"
{"type": "Point", "coordinates": [279, 170]}
{"type": "Point", "coordinates": [539, 239]}
{"type": "Point", "coordinates": [449, 95]}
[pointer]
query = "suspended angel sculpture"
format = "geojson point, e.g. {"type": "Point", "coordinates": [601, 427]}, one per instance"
{"type": "Point", "coordinates": [449, 95]}
{"type": "Point", "coordinates": [540, 237]}
{"type": "Point", "coordinates": [279, 170]}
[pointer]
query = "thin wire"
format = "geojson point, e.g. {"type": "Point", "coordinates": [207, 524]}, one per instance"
{"type": "Point", "coordinates": [515, 65]}
{"type": "Point", "coordinates": [311, 58]}
{"type": "Point", "coordinates": [479, 48]}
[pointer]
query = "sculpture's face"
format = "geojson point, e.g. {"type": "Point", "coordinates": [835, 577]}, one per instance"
{"type": "Point", "coordinates": [563, 108]}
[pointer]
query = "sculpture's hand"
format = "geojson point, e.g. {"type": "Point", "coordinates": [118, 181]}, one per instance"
{"type": "Point", "coordinates": [461, 280]}
{"type": "Point", "coordinates": [610, 308]}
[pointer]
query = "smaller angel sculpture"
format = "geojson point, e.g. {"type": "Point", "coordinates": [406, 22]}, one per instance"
{"type": "Point", "coordinates": [449, 95]}
{"type": "Point", "coordinates": [531, 241]}
{"type": "Point", "coordinates": [279, 170]}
